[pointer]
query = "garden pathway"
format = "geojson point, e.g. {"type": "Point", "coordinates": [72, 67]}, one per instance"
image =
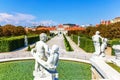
{"type": "Point", "coordinates": [78, 53]}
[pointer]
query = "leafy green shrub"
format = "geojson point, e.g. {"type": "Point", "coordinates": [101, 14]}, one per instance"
{"type": "Point", "coordinates": [114, 42]}
{"type": "Point", "coordinates": [75, 39]}
{"type": "Point", "coordinates": [33, 39]}
{"type": "Point", "coordinates": [28, 49]}
{"type": "Point", "coordinates": [86, 44]}
{"type": "Point", "coordinates": [67, 44]}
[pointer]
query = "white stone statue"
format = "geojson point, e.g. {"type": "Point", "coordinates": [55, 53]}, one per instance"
{"type": "Point", "coordinates": [54, 56]}
{"type": "Point", "coordinates": [45, 60]}
{"type": "Point", "coordinates": [103, 47]}
{"type": "Point", "coordinates": [96, 40]}
{"type": "Point", "coordinates": [25, 41]}
{"type": "Point", "coordinates": [41, 50]}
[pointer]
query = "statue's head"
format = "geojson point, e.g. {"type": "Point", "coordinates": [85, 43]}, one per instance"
{"type": "Point", "coordinates": [55, 48]}
{"type": "Point", "coordinates": [105, 40]}
{"type": "Point", "coordinates": [43, 37]}
{"type": "Point", "coordinates": [97, 32]}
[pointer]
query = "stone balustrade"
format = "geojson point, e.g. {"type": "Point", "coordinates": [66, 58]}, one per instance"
{"type": "Point", "coordinates": [102, 71]}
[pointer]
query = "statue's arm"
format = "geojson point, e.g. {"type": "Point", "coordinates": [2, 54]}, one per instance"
{"type": "Point", "coordinates": [45, 64]}
{"type": "Point", "coordinates": [47, 50]}
{"type": "Point", "coordinates": [33, 51]}
{"type": "Point", "coordinates": [101, 38]}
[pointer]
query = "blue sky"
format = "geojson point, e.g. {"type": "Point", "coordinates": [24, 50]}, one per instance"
{"type": "Point", "coordinates": [50, 12]}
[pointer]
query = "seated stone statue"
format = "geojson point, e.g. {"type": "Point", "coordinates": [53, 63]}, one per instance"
{"type": "Point", "coordinates": [103, 47]}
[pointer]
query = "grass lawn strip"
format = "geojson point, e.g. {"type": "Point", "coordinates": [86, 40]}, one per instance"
{"type": "Point", "coordinates": [23, 70]}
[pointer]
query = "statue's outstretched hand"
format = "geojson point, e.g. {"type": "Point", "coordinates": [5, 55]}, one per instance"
{"type": "Point", "coordinates": [33, 51]}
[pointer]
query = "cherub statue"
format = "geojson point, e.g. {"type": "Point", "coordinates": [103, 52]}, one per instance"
{"type": "Point", "coordinates": [54, 57]}
{"type": "Point", "coordinates": [103, 47]}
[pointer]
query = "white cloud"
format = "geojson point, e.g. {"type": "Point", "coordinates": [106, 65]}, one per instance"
{"type": "Point", "coordinates": [23, 19]}
{"type": "Point", "coordinates": [48, 22]}
{"type": "Point", "coordinates": [17, 18]}
{"type": "Point", "coordinates": [45, 23]}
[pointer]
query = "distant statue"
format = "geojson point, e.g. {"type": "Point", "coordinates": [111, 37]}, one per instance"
{"type": "Point", "coordinates": [103, 47]}
{"type": "Point", "coordinates": [78, 40]}
{"type": "Point", "coordinates": [25, 41]}
{"type": "Point", "coordinates": [96, 40]}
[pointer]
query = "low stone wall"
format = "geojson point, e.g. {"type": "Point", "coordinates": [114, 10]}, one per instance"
{"type": "Point", "coordinates": [102, 71]}
{"type": "Point", "coordinates": [29, 58]}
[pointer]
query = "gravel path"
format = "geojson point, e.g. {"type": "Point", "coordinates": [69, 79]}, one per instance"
{"type": "Point", "coordinates": [78, 53]}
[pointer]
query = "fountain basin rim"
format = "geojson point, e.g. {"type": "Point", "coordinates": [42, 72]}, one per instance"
{"type": "Point", "coordinates": [31, 58]}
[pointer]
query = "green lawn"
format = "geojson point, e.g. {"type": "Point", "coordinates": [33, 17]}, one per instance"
{"type": "Point", "coordinates": [22, 70]}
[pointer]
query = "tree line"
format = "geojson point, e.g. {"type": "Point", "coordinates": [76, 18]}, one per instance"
{"type": "Point", "coordinates": [12, 30]}
{"type": "Point", "coordinates": [110, 31]}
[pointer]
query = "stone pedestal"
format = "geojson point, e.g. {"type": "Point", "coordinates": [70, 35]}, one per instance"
{"type": "Point", "coordinates": [45, 76]}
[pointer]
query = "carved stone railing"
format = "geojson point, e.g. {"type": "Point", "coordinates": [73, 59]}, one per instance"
{"type": "Point", "coordinates": [102, 71]}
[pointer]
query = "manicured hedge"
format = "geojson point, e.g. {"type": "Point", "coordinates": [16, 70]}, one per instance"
{"type": "Point", "coordinates": [33, 39]}
{"type": "Point", "coordinates": [67, 44]}
{"type": "Point", "coordinates": [85, 43]}
{"type": "Point", "coordinates": [12, 43]}
{"type": "Point", "coordinates": [75, 38]}
{"type": "Point", "coordinates": [114, 42]}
